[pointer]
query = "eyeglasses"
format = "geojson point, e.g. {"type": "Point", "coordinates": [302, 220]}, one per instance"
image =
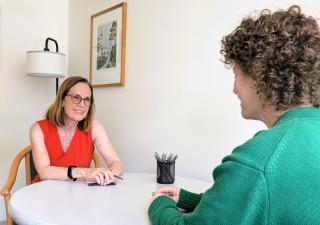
{"type": "Point", "coordinates": [76, 99]}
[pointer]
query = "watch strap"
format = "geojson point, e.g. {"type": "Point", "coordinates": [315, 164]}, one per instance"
{"type": "Point", "coordinates": [70, 168]}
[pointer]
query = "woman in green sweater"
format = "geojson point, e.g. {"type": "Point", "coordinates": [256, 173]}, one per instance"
{"type": "Point", "coordinates": [273, 178]}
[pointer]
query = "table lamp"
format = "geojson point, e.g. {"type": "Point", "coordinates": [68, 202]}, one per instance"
{"type": "Point", "coordinates": [46, 63]}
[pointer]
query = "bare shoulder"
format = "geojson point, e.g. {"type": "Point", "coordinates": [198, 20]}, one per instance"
{"type": "Point", "coordinates": [35, 133]}
{"type": "Point", "coordinates": [95, 122]}
{"type": "Point", "coordinates": [98, 129]}
{"type": "Point", "coordinates": [35, 128]}
{"type": "Point", "coordinates": [96, 125]}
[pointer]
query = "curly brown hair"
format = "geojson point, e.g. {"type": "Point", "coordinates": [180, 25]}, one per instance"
{"type": "Point", "coordinates": [281, 52]}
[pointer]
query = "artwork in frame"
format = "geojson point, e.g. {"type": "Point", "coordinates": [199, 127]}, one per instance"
{"type": "Point", "coordinates": [108, 47]}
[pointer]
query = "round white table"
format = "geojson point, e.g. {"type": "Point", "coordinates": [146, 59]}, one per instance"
{"type": "Point", "coordinates": [75, 203]}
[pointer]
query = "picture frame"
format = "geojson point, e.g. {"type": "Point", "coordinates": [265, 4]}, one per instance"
{"type": "Point", "coordinates": [108, 46]}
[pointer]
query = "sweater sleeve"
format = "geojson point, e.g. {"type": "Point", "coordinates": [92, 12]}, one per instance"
{"type": "Point", "coordinates": [188, 200]}
{"type": "Point", "coordinates": [238, 196]}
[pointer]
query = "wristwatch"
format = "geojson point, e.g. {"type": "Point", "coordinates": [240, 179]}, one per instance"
{"type": "Point", "coordinates": [70, 168]}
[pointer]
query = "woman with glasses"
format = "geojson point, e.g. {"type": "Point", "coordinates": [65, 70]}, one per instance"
{"type": "Point", "coordinates": [63, 143]}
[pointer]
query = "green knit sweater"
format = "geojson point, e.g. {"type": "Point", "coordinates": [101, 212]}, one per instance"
{"type": "Point", "coordinates": [273, 178]}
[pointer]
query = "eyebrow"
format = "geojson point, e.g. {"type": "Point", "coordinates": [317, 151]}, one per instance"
{"type": "Point", "coordinates": [79, 95]}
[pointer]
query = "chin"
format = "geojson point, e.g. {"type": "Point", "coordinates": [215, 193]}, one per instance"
{"type": "Point", "coordinates": [245, 115]}
{"type": "Point", "coordinates": [79, 118]}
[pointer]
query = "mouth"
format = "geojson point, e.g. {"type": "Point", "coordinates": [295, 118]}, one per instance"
{"type": "Point", "coordinates": [79, 111]}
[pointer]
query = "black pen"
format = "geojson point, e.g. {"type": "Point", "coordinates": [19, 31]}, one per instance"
{"type": "Point", "coordinates": [118, 177]}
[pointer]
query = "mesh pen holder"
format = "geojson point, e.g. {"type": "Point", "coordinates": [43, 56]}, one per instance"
{"type": "Point", "coordinates": [165, 172]}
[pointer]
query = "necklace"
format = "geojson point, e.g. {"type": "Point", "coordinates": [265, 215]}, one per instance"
{"type": "Point", "coordinates": [68, 140]}
{"type": "Point", "coordinates": [67, 136]}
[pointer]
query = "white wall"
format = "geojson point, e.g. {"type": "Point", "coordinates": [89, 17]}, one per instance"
{"type": "Point", "coordinates": [25, 25]}
{"type": "Point", "coordinates": [178, 95]}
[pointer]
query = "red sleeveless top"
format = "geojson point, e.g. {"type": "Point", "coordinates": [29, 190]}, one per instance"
{"type": "Point", "coordinates": [79, 152]}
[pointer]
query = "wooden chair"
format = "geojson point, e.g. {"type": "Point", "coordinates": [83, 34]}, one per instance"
{"type": "Point", "coordinates": [30, 174]}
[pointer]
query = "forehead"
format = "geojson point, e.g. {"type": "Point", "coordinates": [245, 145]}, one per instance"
{"type": "Point", "coordinates": [81, 89]}
{"type": "Point", "coordinates": [238, 71]}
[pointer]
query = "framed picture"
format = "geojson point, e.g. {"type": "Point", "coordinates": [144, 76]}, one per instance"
{"type": "Point", "coordinates": [108, 47]}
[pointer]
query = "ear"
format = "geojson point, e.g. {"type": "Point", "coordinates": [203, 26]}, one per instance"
{"type": "Point", "coordinates": [253, 83]}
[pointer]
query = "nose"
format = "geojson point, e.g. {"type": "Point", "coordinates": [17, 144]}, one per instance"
{"type": "Point", "coordinates": [81, 103]}
{"type": "Point", "coordinates": [234, 88]}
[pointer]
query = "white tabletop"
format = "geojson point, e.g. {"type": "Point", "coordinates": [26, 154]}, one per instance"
{"type": "Point", "coordinates": [75, 203]}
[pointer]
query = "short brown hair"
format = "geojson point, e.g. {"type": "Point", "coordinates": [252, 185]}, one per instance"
{"type": "Point", "coordinates": [281, 52]}
{"type": "Point", "coordinates": [55, 111]}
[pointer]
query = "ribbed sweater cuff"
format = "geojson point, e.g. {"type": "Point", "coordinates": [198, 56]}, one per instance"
{"type": "Point", "coordinates": [158, 203]}
{"type": "Point", "coordinates": [188, 200]}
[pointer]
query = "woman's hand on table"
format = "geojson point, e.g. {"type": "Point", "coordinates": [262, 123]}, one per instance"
{"type": "Point", "coordinates": [102, 176]}
{"type": "Point", "coordinates": [171, 191]}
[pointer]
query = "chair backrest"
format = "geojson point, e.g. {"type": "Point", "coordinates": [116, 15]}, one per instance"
{"type": "Point", "coordinates": [30, 174]}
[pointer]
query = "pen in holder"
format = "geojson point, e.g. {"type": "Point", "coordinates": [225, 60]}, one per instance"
{"type": "Point", "coordinates": [165, 168]}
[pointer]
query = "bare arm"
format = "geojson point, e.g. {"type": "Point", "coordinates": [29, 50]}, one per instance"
{"type": "Point", "coordinates": [41, 157]}
{"type": "Point", "coordinates": [105, 147]}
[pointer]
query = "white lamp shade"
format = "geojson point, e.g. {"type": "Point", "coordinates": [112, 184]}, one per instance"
{"type": "Point", "coordinates": [46, 64]}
